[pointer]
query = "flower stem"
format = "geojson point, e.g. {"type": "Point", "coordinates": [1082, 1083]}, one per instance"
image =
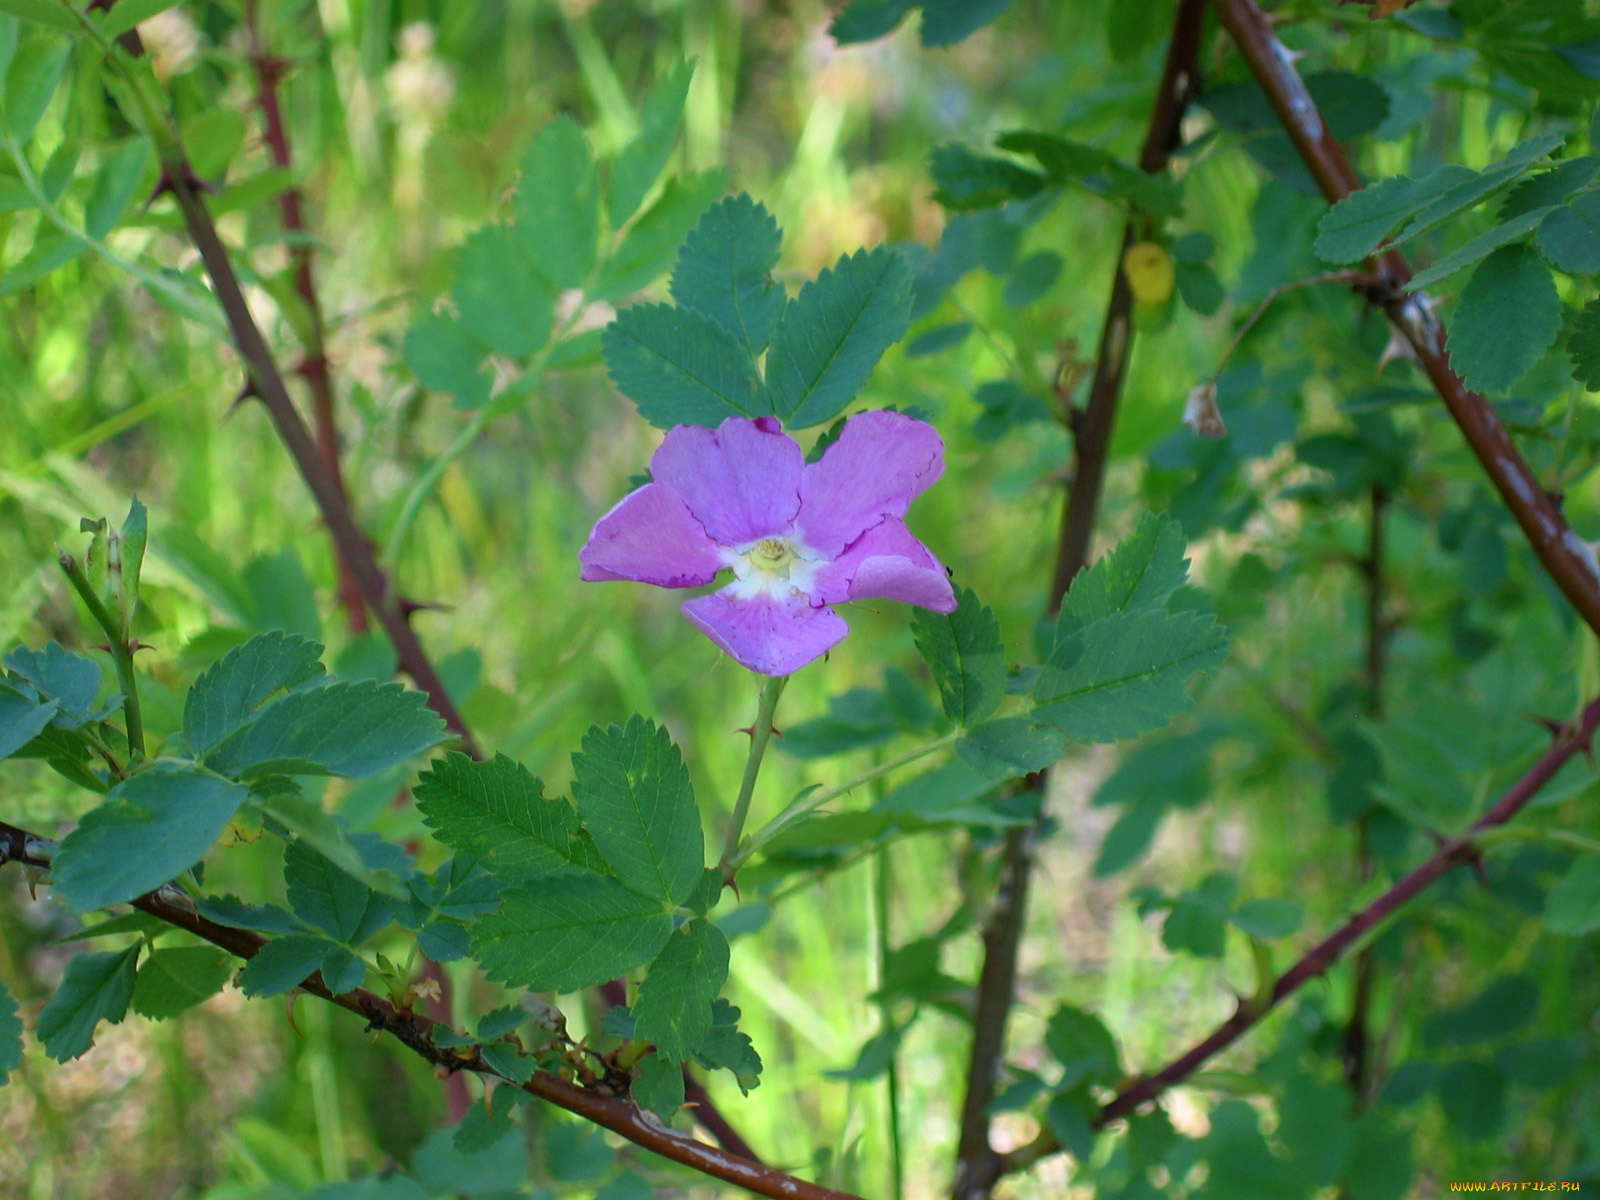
{"type": "Point", "coordinates": [121, 652]}
{"type": "Point", "coordinates": [760, 735]}
{"type": "Point", "coordinates": [811, 801]}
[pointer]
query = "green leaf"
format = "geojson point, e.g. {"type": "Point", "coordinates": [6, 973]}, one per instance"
{"type": "Point", "coordinates": [1583, 346]}
{"type": "Point", "coordinates": [134, 535]}
{"type": "Point", "coordinates": [1507, 1005]}
{"type": "Point", "coordinates": [446, 356]}
{"type": "Point", "coordinates": [324, 896]}
{"type": "Point", "coordinates": [946, 22]}
{"type": "Point", "coordinates": [674, 1005]}
{"type": "Point", "coordinates": [833, 333]}
{"type": "Point", "coordinates": [1082, 1045]}
{"type": "Point", "coordinates": [226, 696]}
{"type": "Point", "coordinates": [636, 800]}
{"type": "Point", "coordinates": [1508, 315]}
{"type": "Point", "coordinates": [1104, 174]}
{"type": "Point", "coordinates": [500, 294]}
{"type": "Point", "coordinates": [95, 988]}
{"type": "Point", "coordinates": [1199, 287]}
{"type": "Point", "coordinates": [49, 252]}
{"type": "Point", "coordinates": [558, 203]}
{"type": "Point", "coordinates": [658, 1087]}
{"type": "Point", "coordinates": [1572, 907]}
{"type": "Point", "coordinates": [212, 138]}
{"type": "Point", "coordinates": [173, 980]}
{"type": "Point", "coordinates": [1569, 237]}
{"type": "Point", "coordinates": [1479, 248]}
{"type": "Point", "coordinates": [352, 729]}
{"type": "Point", "coordinates": [726, 1047]}
{"type": "Point", "coordinates": [1267, 918]}
{"type": "Point", "coordinates": [1067, 1115]}
{"type": "Point", "coordinates": [1473, 1097]}
{"type": "Point", "coordinates": [681, 368]}
{"type": "Point", "coordinates": [1140, 573]}
{"type": "Point", "coordinates": [965, 181]}
{"type": "Point", "coordinates": [724, 271]}
{"type": "Point", "coordinates": [10, 1034]}
{"type": "Point", "coordinates": [868, 20]}
{"type": "Point", "coordinates": [21, 720]}
{"type": "Point", "coordinates": [45, 12]}
{"type": "Point", "coordinates": [641, 160]}
{"type": "Point", "coordinates": [1009, 747]}
{"type": "Point", "coordinates": [282, 964]}
{"type": "Point", "coordinates": [965, 654]}
{"type": "Point", "coordinates": [150, 827]}
{"type": "Point", "coordinates": [1355, 227]}
{"type": "Point", "coordinates": [569, 930]}
{"type": "Point", "coordinates": [71, 680]}
{"type": "Point", "coordinates": [497, 812]}
{"type": "Point", "coordinates": [129, 13]}
{"type": "Point", "coordinates": [1127, 674]}
{"type": "Point", "coordinates": [31, 82]}
{"type": "Point", "coordinates": [652, 242]}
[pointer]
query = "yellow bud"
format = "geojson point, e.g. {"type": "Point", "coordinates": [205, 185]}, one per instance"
{"type": "Point", "coordinates": [1149, 271]}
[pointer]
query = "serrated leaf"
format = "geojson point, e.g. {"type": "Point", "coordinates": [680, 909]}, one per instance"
{"type": "Point", "coordinates": [308, 822]}
{"type": "Point", "coordinates": [658, 1087]}
{"type": "Point", "coordinates": [1570, 236]}
{"type": "Point", "coordinates": [641, 160]}
{"type": "Point", "coordinates": [497, 812]}
{"type": "Point", "coordinates": [1139, 573]}
{"type": "Point", "coordinates": [833, 333]}
{"type": "Point", "coordinates": [946, 22]}
{"type": "Point", "coordinates": [10, 1034]}
{"type": "Point", "coordinates": [505, 1058]}
{"type": "Point", "coordinates": [726, 1047]}
{"type": "Point", "coordinates": [228, 693]}
{"type": "Point", "coordinates": [1355, 226]}
{"type": "Point", "coordinates": [965, 654]}
{"type": "Point", "coordinates": [1509, 314]}
{"type": "Point", "coordinates": [21, 720]}
{"type": "Point", "coordinates": [175, 979]}
{"type": "Point", "coordinates": [633, 792]}
{"type": "Point", "coordinates": [1583, 346]}
{"type": "Point", "coordinates": [500, 294]}
{"type": "Point", "coordinates": [724, 271]}
{"type": "Point", "coordinates": [324, 896]}
{"type": "Point", "coordinates": [558, 203]}
{"type": "Point", "coordinates": [69, 679]}
{"type": "Point", "coordinates": [965, 181]}
{"type": "Point", "coordinates": [1572, 906]}
{"type": "Point", "coordinates": [674, 1005]}
{"type": "Point", "coordinates": [342, 970]}
{"type": "Point", "coordinates": [282, 964]}
{"type": "Point", "coordinates": [351, 729]}
{"type": "Point", "coordinates": [1479, 248]}
{"type": "Point", "coordinates": [95, 988]}
{"type": "Point", "coordinates": [569, 930]}
{"type": "Point", "coordinates": [652, 242]}
{"type": "Point", "coordinates": [1127, 674]}
{"type": "Point", "coordinates": [1446, 202]}
{"type": "Point", "coordinates": [681, 368]}
{"type": "Point", "coordinates": [1009, 747]}
{"type": "Point", "coordinates": [150, 827]}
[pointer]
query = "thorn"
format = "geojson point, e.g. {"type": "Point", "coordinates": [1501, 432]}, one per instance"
{"type": "Point", "coordinates": [289, 999]}
{"type": "Point", "coordinates": [192, 181]}
{"type": "Point", "coordinates": [1398, 348]}
{"type": "Point", "coordinates": [409, 607]}
{"type": "Point", "coordinates": [489, 1085]}
{"type": "Point", "coordinates": [248, 392]}
{"type": "Point", "coordinates": [135, 646]}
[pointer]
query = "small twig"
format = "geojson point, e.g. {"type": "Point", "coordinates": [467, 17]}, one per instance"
{"type": "Point", "coordinates": [1353, 277]}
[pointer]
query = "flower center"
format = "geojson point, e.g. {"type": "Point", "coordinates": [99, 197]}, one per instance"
{"type": "Point", "coordinates": [773, 566]}
{"type": "Point", "coordinates": [771, 555]}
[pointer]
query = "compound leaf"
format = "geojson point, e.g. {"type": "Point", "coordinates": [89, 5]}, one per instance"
{"type": "Point", "coordinates": [95, 988]}
{"type": "Point", "coordinates": [558, 203]}
{"type": "Point", "coordinates": [674, 1005]}
{"type": "Point", "coordinates": [724, 271]}
{"type": "Point", "coordinates": [1509, 314]}
{"type": "Point", "coordinates": [228, 693]}
{"type": "Point", "coordinates": [964, 652]}
{"type": "Point", "coordinates": [498, 812]}
{"type": "Point", "coordinates": [681, 368]}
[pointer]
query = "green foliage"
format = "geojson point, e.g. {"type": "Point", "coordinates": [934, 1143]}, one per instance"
{"type": "Point", "coordinates": [10, 1034]}
{"type": "Point", "coordinates": [642, 159]}
{"type": "Point", "coordinates": [174, 979]}
{"type": "Point", "coordinates": [558, 203]}
{"type": "Point", "coordinates": [724, 271]}
{"type": "Point", "coordinates": [633, 792]}
{"type": "Point", "coordinates": [497, 812]}
{"type": "Point", "coordinates": [1509, 315]}
{"type": "Point", "coordinates": [674, 1006]}
{"type": "Point", "coordinates": [681, 368]}
{"type": "Point", "coordinates": [964, 652]}
{"type": "Point", "coordinates": [1584, 346]}
{"type": "Point", "coordinates": [1572, 907]}
{"type": "Point", "coordinates": [226, 696]}
{"type": "Point", "coordinates": [944, 22]}
{"type": "Point", "coordinates": [95, 988]}
{"type": "Point", "coordinates": [171, 812]}
{"type": "Point", "coordinates": [323, 896]}
{"type": "Point", "coordinates": [500, 293]}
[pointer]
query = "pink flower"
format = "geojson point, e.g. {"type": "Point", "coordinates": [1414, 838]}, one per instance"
{"type": "Point", "coordinates": [799, 537]}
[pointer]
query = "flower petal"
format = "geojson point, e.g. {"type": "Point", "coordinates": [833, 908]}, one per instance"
{"type": "Point", "coordinates": [766, 634]}
{"type": "Point", "coordinates": [881, 462]}
{"type": "Point", "coordinates": [740, 480]}
{"type": "Point", "coordinates": [651, 537]}
{"type": "Point", "coordinates": [888, 562]}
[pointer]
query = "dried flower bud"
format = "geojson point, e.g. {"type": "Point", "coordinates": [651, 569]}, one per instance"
{"type": "Point", "coordinates": [1200, 412]}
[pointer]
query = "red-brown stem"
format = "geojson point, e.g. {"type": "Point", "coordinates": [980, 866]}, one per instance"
{"type": "Point", "coordinates": [978, 1166]}
{"type": "Point", "coordinates": [1570, 740]}
{"type": "Point", "coordinates": [415, 1031]}
{"type": "Point", "coordinates": [314, 366]}
{"type": "Point", "coordinates": [1564, 555]}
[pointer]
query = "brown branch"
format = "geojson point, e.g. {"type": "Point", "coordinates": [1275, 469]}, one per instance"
{"type": "Point", "coordinates": [1564, 555]}
{"type": "Point", "coordinates": [415, 1031]}
{"type": "Point", "coordinates": [314, 367]}
{"type": "Point", "coordinates": [978, 1166]}
{"type": "Point", "coordinates": [1571, 739]}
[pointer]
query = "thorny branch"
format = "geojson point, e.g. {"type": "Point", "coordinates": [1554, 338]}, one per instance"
{"type": "Point", "coordinates": [978, 1166]}
{"type": "Point", "coordinates": [1571, 739]}
{"type": "Point", "coordinates": [597, 1101]}
{"type": "Point", "coordinates": [1565, 556]}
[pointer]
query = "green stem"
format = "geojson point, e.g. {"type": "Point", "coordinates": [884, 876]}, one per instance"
{"type": "Point", "coordinates": [813, 801]}
{"type": "Point", "coordinates": [883, 888]}
{"type": "Point", "coordinates": [760, 735]}
{"type": "Point", "coordinates": [121, 653]}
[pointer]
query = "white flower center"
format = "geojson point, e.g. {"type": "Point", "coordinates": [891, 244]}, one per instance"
{"type": "Point", "coordinates": [773, 566]}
